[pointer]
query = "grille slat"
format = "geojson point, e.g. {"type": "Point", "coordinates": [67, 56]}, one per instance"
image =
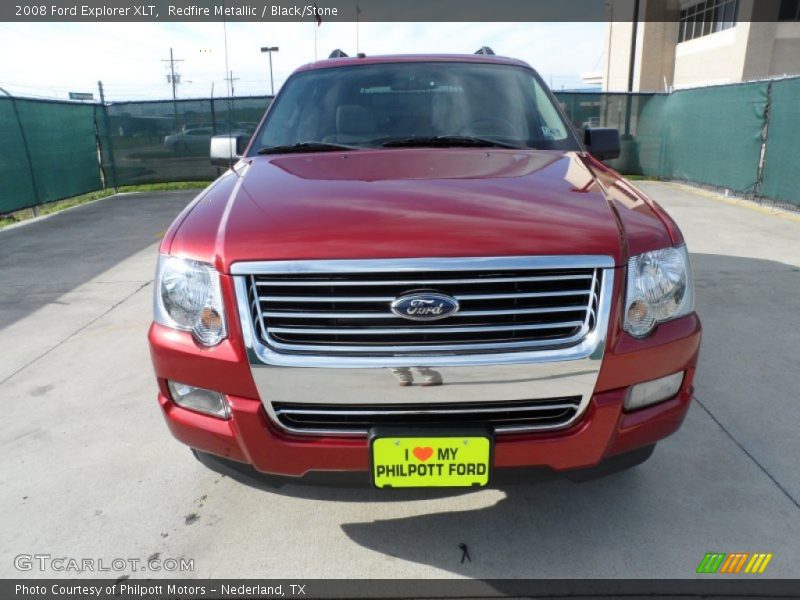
{"type": "Point", "coordinates": [510, 309]}
{"type": "Point", "coordinates": [501, 416]}
{"type": "Point", "coordinates": [459, 297]}
{"type": "Point", "coordinates": [375, 282]}
{"type": "Point", "coordinates": [460, 314]}
{"type": "Point", "coordinates": [426, 330]}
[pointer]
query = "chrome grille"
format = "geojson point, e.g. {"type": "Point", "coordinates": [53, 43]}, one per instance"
{"type": "Point", "coordinates": [357, 419]}
{"type": "Point", "coordinates": [505, 305]}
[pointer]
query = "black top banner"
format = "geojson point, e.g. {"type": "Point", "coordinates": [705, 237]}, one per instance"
{"type": "Point", "coordinates": [322, 11]}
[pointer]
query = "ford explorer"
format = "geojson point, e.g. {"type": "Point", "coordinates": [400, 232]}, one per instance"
{"type": "Point", "coordinates": [417, 273]}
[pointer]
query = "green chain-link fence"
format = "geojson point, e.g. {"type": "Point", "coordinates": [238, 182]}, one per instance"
{"type": "Point", "coordinates": [152, 142]}
{"type": "Point", "coordinates": [740, 137]}
{"type": "Point", "coordinates": [781, 173]}
{"type": "Point", "coordinates": [48, 151]}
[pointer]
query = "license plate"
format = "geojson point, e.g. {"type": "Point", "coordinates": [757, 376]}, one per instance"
{"type": "Point", "coordinates": [431, 461]}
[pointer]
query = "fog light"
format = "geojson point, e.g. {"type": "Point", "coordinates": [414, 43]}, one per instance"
{"type": "Point", "coordinates": [195, 398]}
{"type": "Point", "coordinates": [652, 392]}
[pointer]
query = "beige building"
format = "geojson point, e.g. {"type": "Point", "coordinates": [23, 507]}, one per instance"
{"type": "Point", "coordinates": [690, 43]}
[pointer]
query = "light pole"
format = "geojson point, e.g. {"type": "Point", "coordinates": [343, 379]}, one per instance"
{"type": "Point", "coordinates": [269, 50]}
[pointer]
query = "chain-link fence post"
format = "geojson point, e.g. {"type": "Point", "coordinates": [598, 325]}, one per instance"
{"type": "Point", "coordinates": [107, 128]}
{"type": "Point", "coordinates": [764, 135]}
{"type": "Point", "coordinates": [25, 146]}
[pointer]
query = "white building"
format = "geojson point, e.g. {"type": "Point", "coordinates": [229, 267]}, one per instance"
{"type": "Point", "coordinates": [690, 43]}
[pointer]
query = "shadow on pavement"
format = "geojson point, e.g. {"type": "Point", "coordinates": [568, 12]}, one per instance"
{"type": "Point", "coordinates": [520, 535]}
{"type": "Point", "coordinates": [689, 496]}
{"type": "Point", "coordinates": [42, 261]}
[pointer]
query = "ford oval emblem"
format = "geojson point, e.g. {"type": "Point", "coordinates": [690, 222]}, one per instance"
{"type": "Point", "coordinates": [425, 306]}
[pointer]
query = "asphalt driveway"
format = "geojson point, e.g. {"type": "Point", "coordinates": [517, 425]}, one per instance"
{"type": "Point", "coordinates": [90, 471]}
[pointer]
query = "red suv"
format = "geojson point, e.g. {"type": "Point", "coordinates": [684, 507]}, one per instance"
{"type": "Point", "coordinates": [417, 274]}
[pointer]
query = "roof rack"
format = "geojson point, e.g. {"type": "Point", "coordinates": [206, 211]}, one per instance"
{"type": "Point", "coordinates": [337, 54]}
{"type": "Point", "coordinates": [485, 50]}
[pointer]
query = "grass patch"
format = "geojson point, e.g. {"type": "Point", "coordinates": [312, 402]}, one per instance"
{"type": "Point", "coordinates": [52, 207]}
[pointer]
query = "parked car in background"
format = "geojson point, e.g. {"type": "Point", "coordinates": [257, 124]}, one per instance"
{"type": "Point", "coordinates": [418, 274]}
{"type": "Point", "coordinates": [591, 122]}
{"type": "Point", "coordinates": [196, 140]}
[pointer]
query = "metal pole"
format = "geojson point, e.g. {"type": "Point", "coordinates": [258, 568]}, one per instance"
{"type": "Point", "coordinates": [108, 136]}
{"type": "Point", "coordinates": [271, 82]}
{"type": "Point", "coordinates": [631, 67]}
{"type": "Point", "coordinates": [174, 89]}
{"type": "Point", "coordinates": [269, 50]}
{"type": "Point", "coordinates": [213, 114]}
{"type": "Point", "coordinates": [762, 161]}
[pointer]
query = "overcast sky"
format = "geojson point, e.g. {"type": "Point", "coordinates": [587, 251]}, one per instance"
{"type": "Point", "coordinates": [51, 59]}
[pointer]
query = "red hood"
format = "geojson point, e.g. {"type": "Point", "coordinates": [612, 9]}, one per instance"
{"type": "Point", "coordinates": [415, 203]}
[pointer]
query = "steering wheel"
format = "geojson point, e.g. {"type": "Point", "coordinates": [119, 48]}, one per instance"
{"type": "Point", "coordinates": [489, 126]}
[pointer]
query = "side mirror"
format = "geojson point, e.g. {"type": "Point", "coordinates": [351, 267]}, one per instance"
{"type": "Point", "coordinates": [227, 149]}
{"type": "Point", "coordinates": [602, 142]}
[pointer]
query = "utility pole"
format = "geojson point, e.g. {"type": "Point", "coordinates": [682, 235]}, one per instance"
{"type": "Point", "coordinates": [269, 50]}
{"type": "Point", "coordinates": [174, 79]}
{"type": "Point", "coordinates": [230, 78]}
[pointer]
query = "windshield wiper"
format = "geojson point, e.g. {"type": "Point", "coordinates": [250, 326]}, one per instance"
{"type": "Point", "coordinates": [305, 147]}
{"type": "Point", "coordinates": [444, 140]}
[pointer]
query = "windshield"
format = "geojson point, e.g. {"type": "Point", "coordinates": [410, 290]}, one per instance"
{"type": "Point", "coordinates": [415, 103]}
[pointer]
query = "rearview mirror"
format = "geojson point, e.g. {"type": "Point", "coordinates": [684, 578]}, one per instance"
{"type": "Point", "coordinates": [602, 142]}
{"type": "Point", "coordinates": [227, 149]}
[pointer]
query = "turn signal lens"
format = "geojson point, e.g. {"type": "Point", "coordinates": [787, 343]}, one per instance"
{"type": "Point", "coordinates": [639, 317]}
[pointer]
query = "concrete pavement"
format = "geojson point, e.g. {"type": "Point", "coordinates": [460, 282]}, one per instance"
{"type": "Point", "coordinates": [90, 471]}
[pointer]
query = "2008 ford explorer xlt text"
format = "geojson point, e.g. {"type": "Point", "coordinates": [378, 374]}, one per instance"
{"type": "Point", "coordinates": [418, 275]}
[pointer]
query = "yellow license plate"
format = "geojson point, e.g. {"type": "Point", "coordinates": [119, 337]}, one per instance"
{"type": "Point", "coordinates": [431, 461]}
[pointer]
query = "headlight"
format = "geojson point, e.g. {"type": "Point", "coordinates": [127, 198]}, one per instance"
{"type": "Point", "coordinates": [187, 296]}
{"type": "Point", "coordinates": [660, 288]}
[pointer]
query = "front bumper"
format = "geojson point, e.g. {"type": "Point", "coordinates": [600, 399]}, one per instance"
{"type": "Point", "coordinates": [603, 430]}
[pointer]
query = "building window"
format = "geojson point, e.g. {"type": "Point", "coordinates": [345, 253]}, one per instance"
{"type": "Point", "coordinates": [790, 10]}
{"type": "Point", "coordinates": [708, 16]}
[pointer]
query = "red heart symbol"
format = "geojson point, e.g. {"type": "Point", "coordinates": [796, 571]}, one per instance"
{"type": "Point", "coordinates": [423, 453]}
